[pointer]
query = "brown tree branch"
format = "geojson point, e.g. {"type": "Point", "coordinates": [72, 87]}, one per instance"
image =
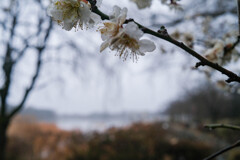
{"type": "Point", "coordinates": [232, 77]}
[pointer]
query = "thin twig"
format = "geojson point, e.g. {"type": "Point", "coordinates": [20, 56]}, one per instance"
{"type": "Point", "coordinates": [228, 126]}
{"type": "Point", "coordinates": [214, 155]}
{"type": "Point", "coordinates": [228, 49]}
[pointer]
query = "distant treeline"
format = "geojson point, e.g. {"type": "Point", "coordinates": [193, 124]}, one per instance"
{"type": "Point", "coordinates": [205, 103]}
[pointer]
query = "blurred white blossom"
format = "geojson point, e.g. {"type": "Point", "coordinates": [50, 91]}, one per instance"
{"type": "Point", "coordinates": [73, 13]}
{"type": "Point", "coordinates": [124, 39]}
{"type": "Point", "coordinates": [173, 4]}
{"type": "Point", "coordinates": [215, 54]}
{"type": "Point", "coordinates": [222, 52]}
{"type": "Point", "coordinates": [142, 3]}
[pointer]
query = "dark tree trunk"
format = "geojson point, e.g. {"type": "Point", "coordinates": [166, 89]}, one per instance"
{"type": "Point", "coordinates": [3, 137]}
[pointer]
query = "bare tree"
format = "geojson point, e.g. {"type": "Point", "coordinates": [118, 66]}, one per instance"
{"type": "Point", "coordinates": [12, 54]}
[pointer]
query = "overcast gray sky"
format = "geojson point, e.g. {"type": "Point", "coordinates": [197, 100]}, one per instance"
{"type": "Point", "coordinates": [146, 86]}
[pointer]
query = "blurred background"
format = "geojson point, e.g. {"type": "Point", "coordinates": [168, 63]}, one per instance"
{"type": "Point", "coordinates": [83, 104]}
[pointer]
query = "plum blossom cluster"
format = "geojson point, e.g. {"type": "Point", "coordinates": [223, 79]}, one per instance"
{"type": "Point", "coordinates": [118, 36]}
{"type": "Point", "coordinates": [73, 14]}
{"type": "Point", "coordinates": [124, 39]}
{"type": "Point", "coordinates": [219, 54]}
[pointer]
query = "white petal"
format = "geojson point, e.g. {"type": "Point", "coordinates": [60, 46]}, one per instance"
{"type": "Point", "coordinates": [55, 13]}
{"type": "Point", "coordinates": [104, 37]}
{"type": "Point", "coordinates": [68, 26]}
{"type": "Point", "coordinates": [68, 23]}
{"type": "Point", "coordinates": [115, 13]}
{"type": "Point", "coordinates": [146, 46]}
{"type": "Point", "coordinates": [133, 30]}
{"type": "Point", "coordinates": [95, 18]}
{"type": "Point", "coordinates": [84, 12]}
{"type": "Point", "coordinates": [104, 45]}
{"type": "Point", "coordinates": [122, 17]}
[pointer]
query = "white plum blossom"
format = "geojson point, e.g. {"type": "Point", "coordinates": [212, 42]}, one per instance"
{"type": "Point", "coordinates": [124, 39]}
{"type": "Point", "coordinates": [141, 4]}
{"type": "Point", "coordinates": [73, 13]}
{"type": "Point", "coordinates": [112, 28]}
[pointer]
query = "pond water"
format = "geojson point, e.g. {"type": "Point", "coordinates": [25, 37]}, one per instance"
{"type": "Point", "coordinates": [101, 124]}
